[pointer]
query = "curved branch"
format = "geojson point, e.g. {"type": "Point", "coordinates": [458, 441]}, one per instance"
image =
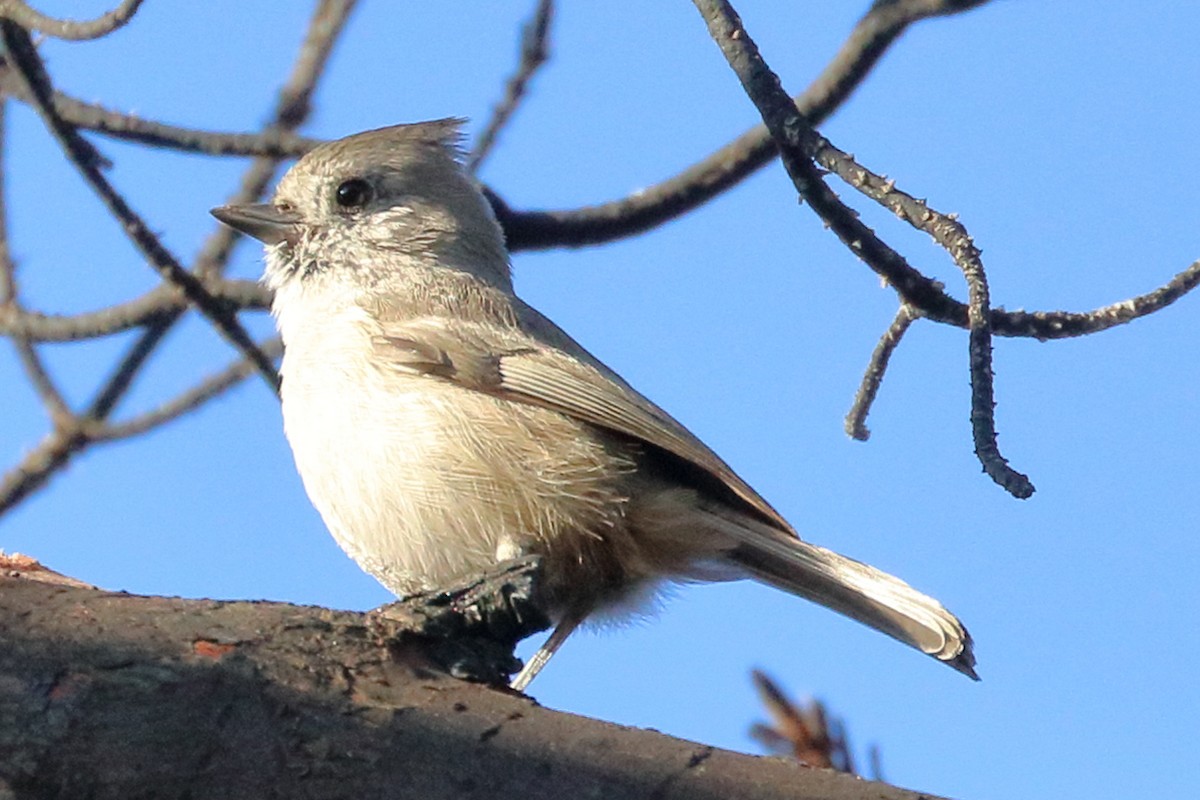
{"type": "Point", "coordinates": [292, 108]}
{"type": "Point", "coordinates": [35, 369]}
{"type": "Point", "coordinates": [20, 13]}
{"type": "Point", "coordinates": [648, 208]}
{"type": "Point", "coordinates": [35, 468]}
{"type": "Point", "coordinates": [929, 296]}
{"type": "Point", "coordinates": [272, 700]}
{"type": "Point", "coordinates": [798, 144]}
{"type": "Point", "coordinates": [1045, 325]}
{"type": "Point", "coordinates": [271, 143]}
{"type": "Point", "coordinates": [953, 237]}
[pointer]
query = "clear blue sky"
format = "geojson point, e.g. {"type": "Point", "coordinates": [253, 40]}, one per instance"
{"type": "Point", "coordinates": [1065, 136]}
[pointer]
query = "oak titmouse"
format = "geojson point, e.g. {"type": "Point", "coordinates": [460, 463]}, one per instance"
{"type": "Point", "coordinates": [442, 426]}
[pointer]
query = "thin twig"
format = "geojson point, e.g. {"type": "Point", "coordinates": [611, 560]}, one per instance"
{"type": "Point", "coordinates": [20, 13]}
{"type": "Point", "coordinates": [35, 369]}
{"type": "Point", "coordinates": [84, 156]}
{"type": "Point", "coordinates": [49, 456]}
{"type": "Point", "coordinates": [132, 128]}
{"type": "Point", "coordinates": [953, 237]}
{"type": "Point", "coordinates": [856, 419]}
{"type": "Point", "coordinates": [153, 306]}
{"type": "Point", "coordinates": [292, 107]}
{"type": "Point", "coordinates": [535, 50]}
{"type": "Point", "coordinates": [936, 305]}
{"type": "Point", "coordinates": [189, 400]}
{"type": "Point", "coordinates": [45, 387]}
{"type": "Point", "coordinates": [798, 143]}
{"type": "Point", "coordinates": [983, 392]}
{"type": "Point", "coordinates": [39, 327]}
{"type": "Point", "coordinates": [1046, 325]}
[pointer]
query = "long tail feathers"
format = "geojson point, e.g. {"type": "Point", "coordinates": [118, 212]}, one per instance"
{"type": "Point", "coordinates": [857, 590]}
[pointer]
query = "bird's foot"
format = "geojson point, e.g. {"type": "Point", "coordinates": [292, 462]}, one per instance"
{"type": "Point", "coordinates": [471, 629]}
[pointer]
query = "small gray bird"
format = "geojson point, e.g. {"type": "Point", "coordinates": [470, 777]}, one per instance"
{"type": "Point", "coordinates": [442, 426]}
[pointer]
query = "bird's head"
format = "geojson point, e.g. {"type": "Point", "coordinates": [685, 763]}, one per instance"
{"type": "Point", "coordinates": [363, 209]}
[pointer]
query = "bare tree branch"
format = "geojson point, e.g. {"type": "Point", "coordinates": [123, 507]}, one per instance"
{"type": "Point", "coordinates": [650, 207]}
{"type": "Point", "coordinates": [929, 296]}
{"type": "Point", "coordinates": [189, 400]}
{"type": "Point", "coordinates": [1046, 325]}
{"type": "Point", "coordinates": [153, 306]}
{"type": "Point", "coordinates": [31, 361]}
{"type": "Point", "coordinates": [20, 13]}
{"type": "Point", "coordinates": [28, 65]}
{"type": "Point", "coordinates": [798, 143]}
{"type": "Point", "coordinates": [856, 419]}
{"type": "Point", "coordinates": [35, 467]}
{"type": "Point", "coordinates": [56, 450]}
{"type": "Point", "coordinates": [948, 232]}
{"type": "Point", "coordinates": [535, 50]}
{"type": "Point", "coordinates": [132, 128]}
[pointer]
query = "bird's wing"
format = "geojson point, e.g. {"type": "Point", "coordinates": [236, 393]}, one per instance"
{"type": "Point", "coordinates": [540, 365]}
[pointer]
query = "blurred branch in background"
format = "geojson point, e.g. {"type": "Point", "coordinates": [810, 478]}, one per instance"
{"type": "Point", "coordinates": [28, 18]}
{"type": "Point", "coordinates": [805, 731]}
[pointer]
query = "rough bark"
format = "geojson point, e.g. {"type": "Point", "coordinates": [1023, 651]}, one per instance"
{"type": "Point", "coordinates": [110, 695]}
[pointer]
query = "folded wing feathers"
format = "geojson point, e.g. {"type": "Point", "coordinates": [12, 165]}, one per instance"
{"type": "Point", "coordinates": [771, 554]}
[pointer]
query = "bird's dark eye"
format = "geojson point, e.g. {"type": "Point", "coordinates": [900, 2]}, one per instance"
{"type": "Point", "coordinates": [353, 193]}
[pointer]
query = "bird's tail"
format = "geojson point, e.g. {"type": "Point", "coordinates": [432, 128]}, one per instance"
{"type": "Point", "coordinates": [857, 590]}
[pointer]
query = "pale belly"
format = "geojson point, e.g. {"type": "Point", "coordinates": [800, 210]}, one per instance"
{"type": "Point", "coordinates": [424, 482]}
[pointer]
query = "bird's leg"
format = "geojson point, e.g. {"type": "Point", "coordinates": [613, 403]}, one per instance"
{"type": "Point", "coordinates": [534, 665]}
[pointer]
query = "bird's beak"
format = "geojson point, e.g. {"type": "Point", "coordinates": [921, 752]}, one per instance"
{"type": "Point", "coordinates": [264, 221]}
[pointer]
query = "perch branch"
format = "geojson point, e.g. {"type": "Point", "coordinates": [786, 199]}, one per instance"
{"type": "Point", "coordinates": [113, 696]}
